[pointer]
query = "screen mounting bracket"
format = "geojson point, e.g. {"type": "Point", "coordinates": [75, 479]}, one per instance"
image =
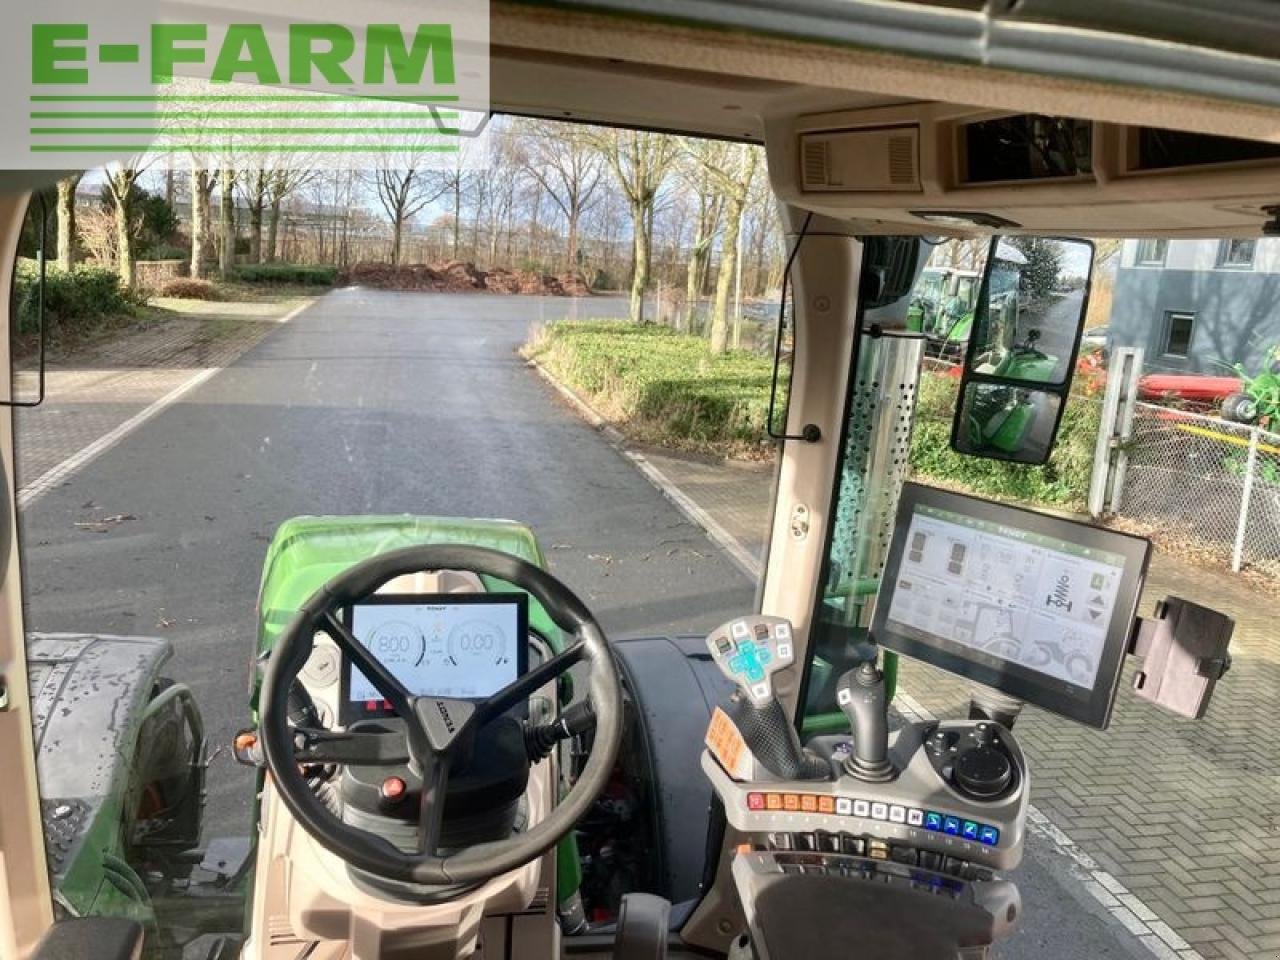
{"type": "Point", "coordinates": [1183, 649]}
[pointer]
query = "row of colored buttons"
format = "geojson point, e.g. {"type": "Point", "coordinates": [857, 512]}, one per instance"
{"type": "Point", "coordinates": [891, 812]}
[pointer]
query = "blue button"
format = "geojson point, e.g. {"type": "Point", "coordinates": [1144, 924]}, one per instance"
{"type": "Point", "coordinates": [932, 821]}
{"type": "Point", "coordinates": [969, 830]}
{"type": "Point", "coordinates": [755, 674]}
{"type": "Point", "coordinates": [737, 663]}
{"type": "Point", "coordinates": [951, 825]}
{"type": "Point", "coordinates": [989, 835]}
{"type": "Point", "coordinates": [765, 656]}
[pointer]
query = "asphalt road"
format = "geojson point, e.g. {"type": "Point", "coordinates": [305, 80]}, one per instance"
{"type": "Point", "coordinates": [386, 403]}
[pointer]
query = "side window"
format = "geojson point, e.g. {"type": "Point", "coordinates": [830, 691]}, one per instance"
{"type": "Point", "coordinates": [1178, 329]}
{"type": "Point", "coordinates": [1151, 253]}
{"type": "Point", "coordinates": [1237, 254]}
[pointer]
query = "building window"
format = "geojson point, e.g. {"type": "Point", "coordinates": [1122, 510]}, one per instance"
{"type": "Point", "coordinates": [1237, 254]}
{"type": "Point", "coordinates": [1151, 253]}
{"type": "Point", "coordinates": [1178, 328]}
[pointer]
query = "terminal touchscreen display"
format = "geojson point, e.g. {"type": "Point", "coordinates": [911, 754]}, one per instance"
{"type": "Point", "coordinates": [1033, 605]}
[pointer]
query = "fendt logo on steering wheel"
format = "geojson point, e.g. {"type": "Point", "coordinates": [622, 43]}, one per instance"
{"type": "Point", "coordinates": [444, 715]}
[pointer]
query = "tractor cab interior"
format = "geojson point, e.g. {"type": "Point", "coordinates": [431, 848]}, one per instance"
{"type": "Point", "coordinates": [450, 758]}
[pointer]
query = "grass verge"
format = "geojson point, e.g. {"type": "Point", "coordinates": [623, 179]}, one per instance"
{"type": "Point", "coordinates": [662, 387]}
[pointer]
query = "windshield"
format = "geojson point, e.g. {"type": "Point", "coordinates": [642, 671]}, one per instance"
{"type": "Point", "coordinates": [400, 374]}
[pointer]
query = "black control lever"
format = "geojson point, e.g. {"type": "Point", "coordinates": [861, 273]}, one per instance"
{"type": "Point", "coordinates": [861, 695]}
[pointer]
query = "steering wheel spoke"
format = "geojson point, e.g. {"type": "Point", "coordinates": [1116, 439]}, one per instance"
{"type": "Point", "coordinates": [358, 748]}
{"type": "Point", "coordinates": [435, 781]}
{"type": "Point", "coordinates": [383, 680]}
{"type": "Point", "coordinates": [520, 688]}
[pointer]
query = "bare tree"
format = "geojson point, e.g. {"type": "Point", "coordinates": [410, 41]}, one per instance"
{"type": "Point", "coordinates": [202, 183]}
{"type": "Point", "coordinates": [403, 193]}
{"type": "Point", "coordinates": [563, 158]}
{"type": "Point", "coordinates": [640, 161]}
{"type": "Point", "coordinates": [226, 220]}
{"type": "Point", "coordinates": [732, 174]}
{"type": "Point", "coordinates": [122, 184]}
{"type": "Point", "coordinates": [67, 220]}
{"type": "Point", "coordinates": [285, 180]}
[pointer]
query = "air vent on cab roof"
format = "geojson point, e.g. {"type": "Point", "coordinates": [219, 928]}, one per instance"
{"type": "Point", "coordinates": [867, 160]}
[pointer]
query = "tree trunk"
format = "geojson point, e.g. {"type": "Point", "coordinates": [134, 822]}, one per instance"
{"type": "Point", "coordinates": [640, 276]}
{"type": "Point", "coordinates": [227, 223]}
{"type": "Point", "coordinates": [457, 214]}
{"type": "Point", "coordinates": [199, 220]}
{"type": "Point", "coordinates": [273, 229]}
{"type": "Point", "coordinates": [255, 230]}
{"type": "Point", "coordinates": [124, 232]}
{"type": "Point", "coordinates": [170, 188]}
{"type": "Point", "coordinates": [571, 248]}
{"type": "Point", "coordinates": [724, 276]}
{"type": "Point", "coordinates": [397, 238]}
{"type": "Point", "coordinates": [67, 221]}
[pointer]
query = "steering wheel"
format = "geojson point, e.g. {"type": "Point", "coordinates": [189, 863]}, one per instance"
{"type": "Point", "coordinates": [437, 728]}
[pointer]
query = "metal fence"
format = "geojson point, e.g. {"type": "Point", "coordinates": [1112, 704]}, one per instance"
{"type": "Point", "coordinates": [1207, 483]}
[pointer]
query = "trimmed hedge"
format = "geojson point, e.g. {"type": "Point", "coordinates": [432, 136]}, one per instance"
{"type": "Point", "coordinates": [190, 289]}
{"type": "Point", "coordinates": [303, 274]}
{"type": "Point", "coordinates": [75, 299]}
{"type": "Point", "coordinates": [667, 388]}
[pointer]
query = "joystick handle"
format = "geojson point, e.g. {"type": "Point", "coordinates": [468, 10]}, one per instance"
{"type": "Point", "coordinates": [861, 695]}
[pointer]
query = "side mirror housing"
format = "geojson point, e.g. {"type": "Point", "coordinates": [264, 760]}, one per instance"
{"type": "Point", "coordinates": [1027, 325]}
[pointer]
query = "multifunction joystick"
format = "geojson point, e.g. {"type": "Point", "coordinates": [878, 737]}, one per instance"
{"type": "Point", "coordinates": [749, 651]}
{"type": "Point", "coordinates": [861, 695]}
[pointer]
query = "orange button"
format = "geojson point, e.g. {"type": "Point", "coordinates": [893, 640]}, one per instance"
{"type": "Point", "coordinates": [808, 803]}
{"type": "Point", "coordinates": [790, 801]}
{"type": "Point", "coordinates": [773, 801]}
{"type": "Point", "coordinates": [246, 741]}
{"type": "Point", "coordinates": [826, 805]}
{"type": "Point", "coordinates": [393, 788]}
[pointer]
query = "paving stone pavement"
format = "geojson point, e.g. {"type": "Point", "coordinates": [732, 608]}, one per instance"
{"type": "Point", "coordinates": [93, 390]}
{"type": "Point", "coordinates": [1185, 815]}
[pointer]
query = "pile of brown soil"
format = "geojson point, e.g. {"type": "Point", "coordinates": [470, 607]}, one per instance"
{"type": "Point", "coordinates": [458, 276]}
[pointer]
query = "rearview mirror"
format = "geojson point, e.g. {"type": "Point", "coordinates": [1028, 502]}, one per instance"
{"type": "Point", "coordinates": [1026, 332]}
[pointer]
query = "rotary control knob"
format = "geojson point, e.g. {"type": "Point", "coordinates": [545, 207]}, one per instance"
{"type": "Point", "coordinates": [982, 773]}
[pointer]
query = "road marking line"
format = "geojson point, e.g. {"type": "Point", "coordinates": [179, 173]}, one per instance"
{"type": "Point", "coordinates": [57, 474]}
{"type": "Point", "coordinates": [1109, 892]}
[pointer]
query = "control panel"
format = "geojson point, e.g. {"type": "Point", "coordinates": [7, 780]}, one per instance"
{"type": "Point", "coordinates": [750, 650]}
{"type": "Point", "coordinates": [934, 810]}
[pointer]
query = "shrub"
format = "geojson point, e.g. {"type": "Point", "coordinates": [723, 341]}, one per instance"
{"type": "Point", "coordinates": [191, 290]}
{"type": "Point", "coordinates": [305, 274]}
{"type": "Point", "coordinates": [73, 299]}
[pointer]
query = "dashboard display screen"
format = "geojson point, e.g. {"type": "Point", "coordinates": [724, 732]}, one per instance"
{"type": "Point", "coordinates": [1033, 605]}
{"type": "Point", "coordinates": [441, 645]}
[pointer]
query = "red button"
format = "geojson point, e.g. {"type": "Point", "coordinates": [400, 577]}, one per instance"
{"type": "Point", "coordinates": [393, 788]}
{"type": "Point", "coordinates": [755, 801]}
